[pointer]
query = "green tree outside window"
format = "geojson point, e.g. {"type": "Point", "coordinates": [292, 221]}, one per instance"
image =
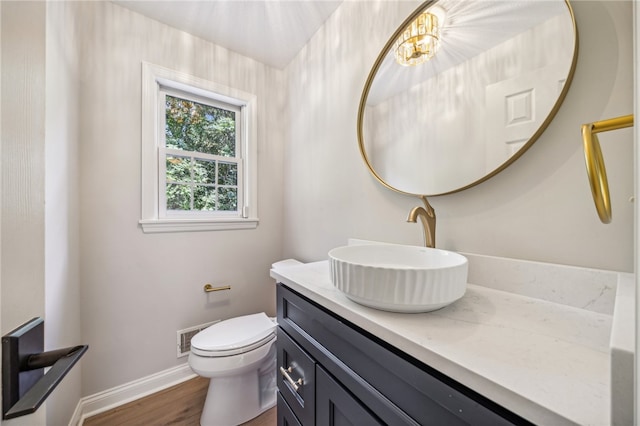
{"type": "Point", "coordinates": [194, 181]}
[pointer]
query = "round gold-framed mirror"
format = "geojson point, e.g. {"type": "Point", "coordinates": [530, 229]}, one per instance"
{"type": "Point", "coordinates": [490, 76]}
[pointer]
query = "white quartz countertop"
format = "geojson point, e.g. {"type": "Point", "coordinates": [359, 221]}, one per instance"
{"type": "Point", "coordinates": [547, 362]}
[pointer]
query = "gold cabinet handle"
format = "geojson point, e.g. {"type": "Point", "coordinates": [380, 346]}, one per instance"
{"type": "Point", "coordinates": [596, 171]}
{"type": "Point", "coordinates": [295, 384]}
{"type": "Point", "coordinates": [208, 288]}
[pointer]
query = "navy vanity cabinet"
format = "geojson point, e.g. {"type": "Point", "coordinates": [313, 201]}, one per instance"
{"type": "Point", "coordinates": [314, 397]}
{"type": "Point", "coordinates": [296, 378]}
{"type": "Point", "coordinates": [285, 415]}
{"type": "Point", "coordinates": [358, 379]}
{"type": "Point", "coordinates": [335, 406]}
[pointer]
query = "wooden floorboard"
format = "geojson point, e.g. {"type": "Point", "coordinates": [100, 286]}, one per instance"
{"type": "Point", "coordinates": [180, 405]}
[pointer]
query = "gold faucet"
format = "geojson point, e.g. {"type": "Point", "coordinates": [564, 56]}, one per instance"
{"type": "Point", "coordinates": [428, 218]}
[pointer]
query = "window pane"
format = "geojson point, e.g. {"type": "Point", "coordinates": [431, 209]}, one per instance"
{"type": "Point", "coordinates": [227, 199]}
{"type": "Point", "coordinates": [178, 197]}
{"type": "Point", "coordinates": [204, 171]}
{"type": "Point", "coordinates": [178, 169]}
{"type": "Point", "coordinates": [193, 126]}
{"type": "Point", "coordinates": [204, 198]}
{"type": "Point", "coordinates": [228, 174]}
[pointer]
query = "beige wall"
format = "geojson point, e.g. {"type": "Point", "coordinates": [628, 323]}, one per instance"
{"type": "Point", "coordinates": [139, 289]}
{"type": "Point", "coordinates": [62, 257]}
{"type": "Point", "coordinates": [540, 208]}
{"type": "Point", "coordinates": [39, 203]}
{"type": "Point", "coordinates": [23, 159]}
{"type": "Point", "coordinates": [23, 119]}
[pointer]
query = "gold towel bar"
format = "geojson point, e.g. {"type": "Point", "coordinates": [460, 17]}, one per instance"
{"type": "Point", "coordinates": [208, 288]}
{"type": "Point", "coordinates": [596, 170]}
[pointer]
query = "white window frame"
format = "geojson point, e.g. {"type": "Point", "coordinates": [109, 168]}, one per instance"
{"type": "Point", "coordinates": [154, 217]}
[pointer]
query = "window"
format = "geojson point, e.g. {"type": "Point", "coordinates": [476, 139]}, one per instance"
{"type": "Point", "coordinates": [199, 155]}
{"type": "Point", "coordinates": [198, 148]}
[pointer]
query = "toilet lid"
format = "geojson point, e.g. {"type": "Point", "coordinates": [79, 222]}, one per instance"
{"type": "Point", "coordinates": [234, 334]}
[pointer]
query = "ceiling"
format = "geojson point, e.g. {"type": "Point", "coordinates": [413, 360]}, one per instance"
{"type": "Point", "coordinates": [274, 31]}
{"type": "Point", "coordinates": [269, 31]}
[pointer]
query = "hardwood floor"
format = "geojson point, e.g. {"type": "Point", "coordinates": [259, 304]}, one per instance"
{"type": "Point", "coordinates": [178, 405]}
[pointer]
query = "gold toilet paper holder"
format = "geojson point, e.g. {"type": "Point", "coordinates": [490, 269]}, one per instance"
{"type": "Point", "coordinates": [208, 288]}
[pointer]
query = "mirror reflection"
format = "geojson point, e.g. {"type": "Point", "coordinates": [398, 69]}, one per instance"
{"type": "Point", "coordinates": [488, 78]}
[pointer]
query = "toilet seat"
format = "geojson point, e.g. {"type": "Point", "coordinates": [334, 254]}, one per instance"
{"type": "Point", "coordinates": [234, 336]}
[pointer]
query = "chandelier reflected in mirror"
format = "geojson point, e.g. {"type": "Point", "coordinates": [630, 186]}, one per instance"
{"type": "Point", "coordinates": [419, 42]}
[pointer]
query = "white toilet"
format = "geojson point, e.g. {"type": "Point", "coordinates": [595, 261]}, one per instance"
{"type": "Point", "coordinates": [239, 357]}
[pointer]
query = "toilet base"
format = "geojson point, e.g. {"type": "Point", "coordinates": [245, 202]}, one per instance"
{"type": "Point", "coordinates": [235, 400]}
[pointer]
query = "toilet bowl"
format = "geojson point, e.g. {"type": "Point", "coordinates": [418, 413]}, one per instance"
{"type": "Point", "coordinates": [238, 355]}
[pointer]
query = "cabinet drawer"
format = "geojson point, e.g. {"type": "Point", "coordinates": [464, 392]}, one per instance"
{"type": "Point", "coordinates": [398, 388]}
{"type": "Point", "coordinates": [284, 413]}
{"type": "Point", "coordinates": [336, 407]}
{"type": "Point", "coordinates": [296, 378]}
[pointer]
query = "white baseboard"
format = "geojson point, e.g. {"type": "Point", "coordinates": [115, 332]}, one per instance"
{"type": "Point", "coordinates": [120, 395]}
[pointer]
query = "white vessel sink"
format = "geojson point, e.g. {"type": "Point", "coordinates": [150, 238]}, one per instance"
{"type": "Point", "coordinates": [399, 278]}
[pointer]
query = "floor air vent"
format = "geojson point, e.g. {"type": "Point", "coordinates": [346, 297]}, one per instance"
{"type": "Point", "coordinates": [185, 335]}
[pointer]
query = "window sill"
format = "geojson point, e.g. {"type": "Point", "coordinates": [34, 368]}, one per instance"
{"type": "Point", "coordinates": [151, 226]}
